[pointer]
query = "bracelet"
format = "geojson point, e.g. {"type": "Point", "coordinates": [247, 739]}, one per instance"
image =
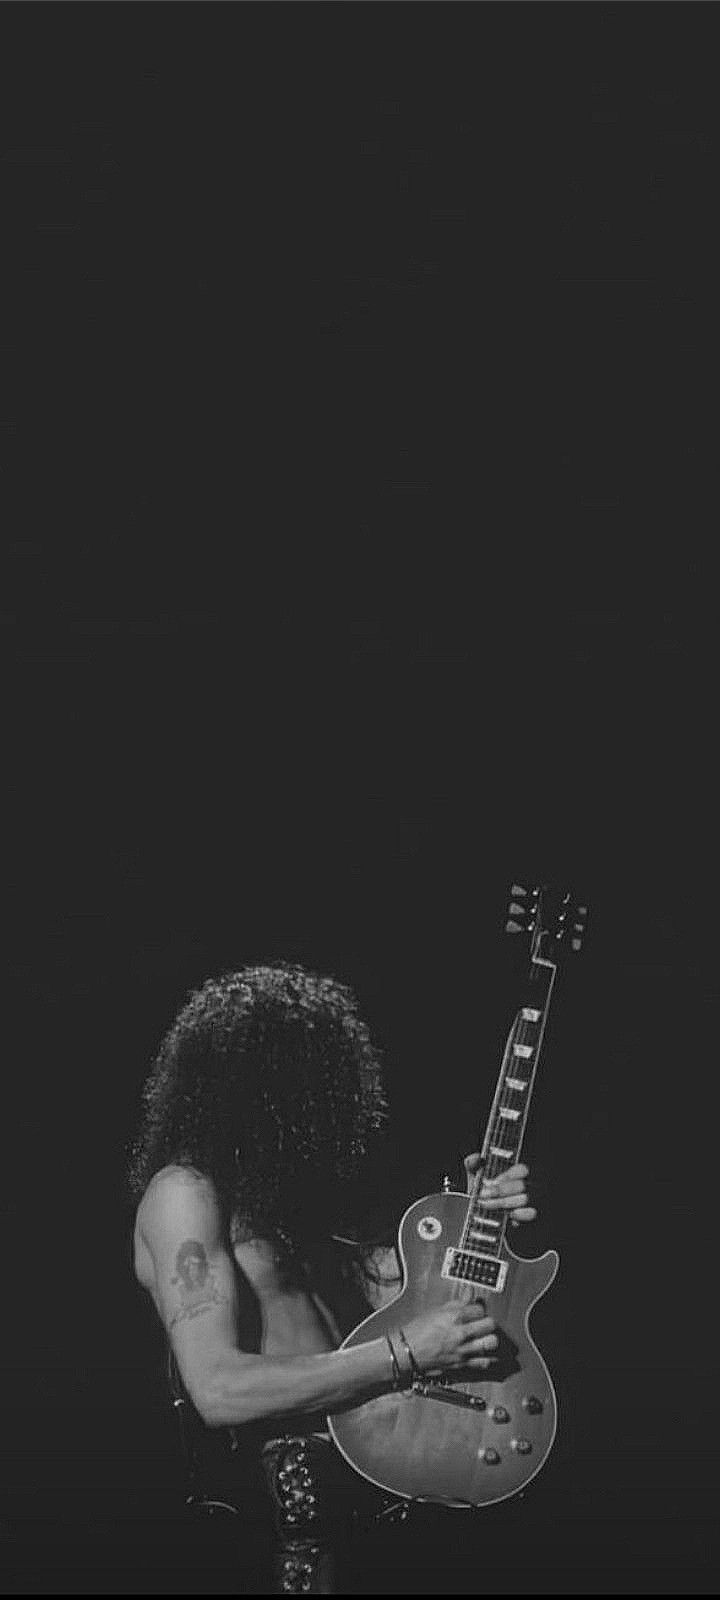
{"type": "Point", "coordinates": [414, 1368]}
{"type": "Point", "coordinates": [397, 1380]}
{"type": "Point", "coordinates": [402, 1376]}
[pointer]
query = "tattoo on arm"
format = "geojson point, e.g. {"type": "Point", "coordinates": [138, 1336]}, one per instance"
{"type": "Point", "coordinates": [195, 1282]}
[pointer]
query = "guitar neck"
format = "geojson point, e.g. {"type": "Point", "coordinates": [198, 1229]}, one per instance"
{"type": "Point", "coordinates": [485, 1227]}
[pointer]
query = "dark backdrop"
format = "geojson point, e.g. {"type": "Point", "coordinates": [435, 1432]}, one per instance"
{"type": "Point", "coordinates": [358, 372]}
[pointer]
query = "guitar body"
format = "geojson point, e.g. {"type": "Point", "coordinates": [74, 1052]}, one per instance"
{"type": "Point", "coordinates": [442, 1444]}
{"type": "Point", "coordinates": [475, 1437]}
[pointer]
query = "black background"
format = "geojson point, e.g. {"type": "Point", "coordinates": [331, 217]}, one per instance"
{"type": "Point", "coordinates": [359, 504]}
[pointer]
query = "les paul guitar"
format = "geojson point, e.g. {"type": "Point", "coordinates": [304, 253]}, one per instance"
{"type": "Point", "coordinates": [470, 1441]}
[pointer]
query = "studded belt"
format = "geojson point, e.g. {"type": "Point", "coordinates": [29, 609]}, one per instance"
{"type": "Point", "coordinates": [315, 1505]}
{"type": "Point", "coordinates": [307, 1514]}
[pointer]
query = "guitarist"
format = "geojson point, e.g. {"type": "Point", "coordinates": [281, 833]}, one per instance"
{"type": "Point", "coordinates": [257, 1129]}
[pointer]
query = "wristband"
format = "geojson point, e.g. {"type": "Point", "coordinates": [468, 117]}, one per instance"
{"type": "Point", "coordinates": [397, 1380]}
{"type": "Point", "coordinates": [409, 1372]}
{"type": "Point", "coordinates": [414, 1368]}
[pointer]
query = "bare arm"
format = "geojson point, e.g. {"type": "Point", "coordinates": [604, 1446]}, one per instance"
{"type": "Point", "coordinates": [192, 1282]}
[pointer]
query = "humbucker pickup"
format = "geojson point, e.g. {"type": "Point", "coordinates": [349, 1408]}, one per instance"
{"type": "Point", "coordinates": [466, 1266]}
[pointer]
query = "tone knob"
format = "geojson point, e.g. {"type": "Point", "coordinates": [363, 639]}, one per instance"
{"type": "Point", "coordinates": [532, 1404]}
{"type": "Point", "coordinates": [499, 1414]}
{"type": "Point", "coordinates": [477, 1403]}
{"type": "Point", "coordinates": [523, 1446]}
{"type": "Point", "coordinates": [491, 1457]}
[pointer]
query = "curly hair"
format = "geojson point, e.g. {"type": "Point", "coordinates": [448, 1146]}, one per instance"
{"type": "Point", "coordinates": [269, 1084]}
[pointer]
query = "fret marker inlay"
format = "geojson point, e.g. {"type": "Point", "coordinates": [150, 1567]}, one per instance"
{"type": "Point", "coordinates": [496, 1150]}
{"type": "Point", "coordinates": [515, 1083]}
{"type": "Point", "coordinates": [509, 1114]}
{"type": "Point", "coordinates": [529, 1014]}
{"type": "Point", "coordinates": [523, 1050]}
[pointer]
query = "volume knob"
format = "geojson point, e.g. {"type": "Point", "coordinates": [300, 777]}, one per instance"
{"type": "Point", "coordinates": [523, 1446]}
{"type": "Point", "coordinates": [491, 1457]}
{"type": "Point", "coordinates": [532, 1404]}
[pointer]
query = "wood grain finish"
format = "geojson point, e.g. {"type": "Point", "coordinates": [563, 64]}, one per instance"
{"type": "Point", "coordinates": [428, 1448]}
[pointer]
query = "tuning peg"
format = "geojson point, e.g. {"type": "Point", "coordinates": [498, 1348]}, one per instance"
{"type": "Point", "coordinates": [582, 911]}
{"type": "Point", "coordinates": [576, 944]}
{"type": "Point", "coordinates": [518, 889]}
{"type": "Point", "coordinates": [513, 927]}
{"type": "Point", "coordinates": [516, 910]}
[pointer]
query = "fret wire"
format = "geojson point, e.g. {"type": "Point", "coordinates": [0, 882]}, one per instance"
{"type": "Point", "coordinates": [506, 1133]}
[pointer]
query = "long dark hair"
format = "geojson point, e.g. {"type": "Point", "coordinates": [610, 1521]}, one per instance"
{"type": "Point", "coordinates": [268, 1083]}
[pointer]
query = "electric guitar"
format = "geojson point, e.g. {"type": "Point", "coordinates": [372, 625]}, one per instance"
{"type": "Point", "coordinates": [469, 1441]}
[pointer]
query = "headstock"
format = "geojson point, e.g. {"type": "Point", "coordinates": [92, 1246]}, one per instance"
{"type": "Point", "coordinates": [553, 921]}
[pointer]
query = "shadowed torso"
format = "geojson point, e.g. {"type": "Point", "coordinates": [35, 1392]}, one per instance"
{"type": "Point", "coordinates": [293, 1317]}
{"type": "Point", "coordinates": [286, 1311]}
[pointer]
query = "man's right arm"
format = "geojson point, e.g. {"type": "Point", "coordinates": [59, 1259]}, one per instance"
{"type": "Point", "coordinates": [193, 1285]}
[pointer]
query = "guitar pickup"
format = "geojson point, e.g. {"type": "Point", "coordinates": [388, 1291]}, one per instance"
{"type": "Point", "coordinates": [467, 1266]}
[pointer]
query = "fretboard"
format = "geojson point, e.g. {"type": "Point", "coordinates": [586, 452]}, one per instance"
{"type": "Point", "coordinates": [485, 1226]}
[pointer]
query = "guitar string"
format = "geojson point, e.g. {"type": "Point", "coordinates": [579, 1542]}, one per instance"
{"type": "Point", "coordinates": [491, 1169]}
{"type": "Point", "coordinates": [519, 1035]}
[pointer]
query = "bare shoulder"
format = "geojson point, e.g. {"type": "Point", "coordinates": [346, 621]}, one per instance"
{"type": "Point", "coordinates": [182, 1260]}
{"type": "Point", "coordinates": [178, 1202]}
{"type": "Point", "coordinates": [175, 1189]}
